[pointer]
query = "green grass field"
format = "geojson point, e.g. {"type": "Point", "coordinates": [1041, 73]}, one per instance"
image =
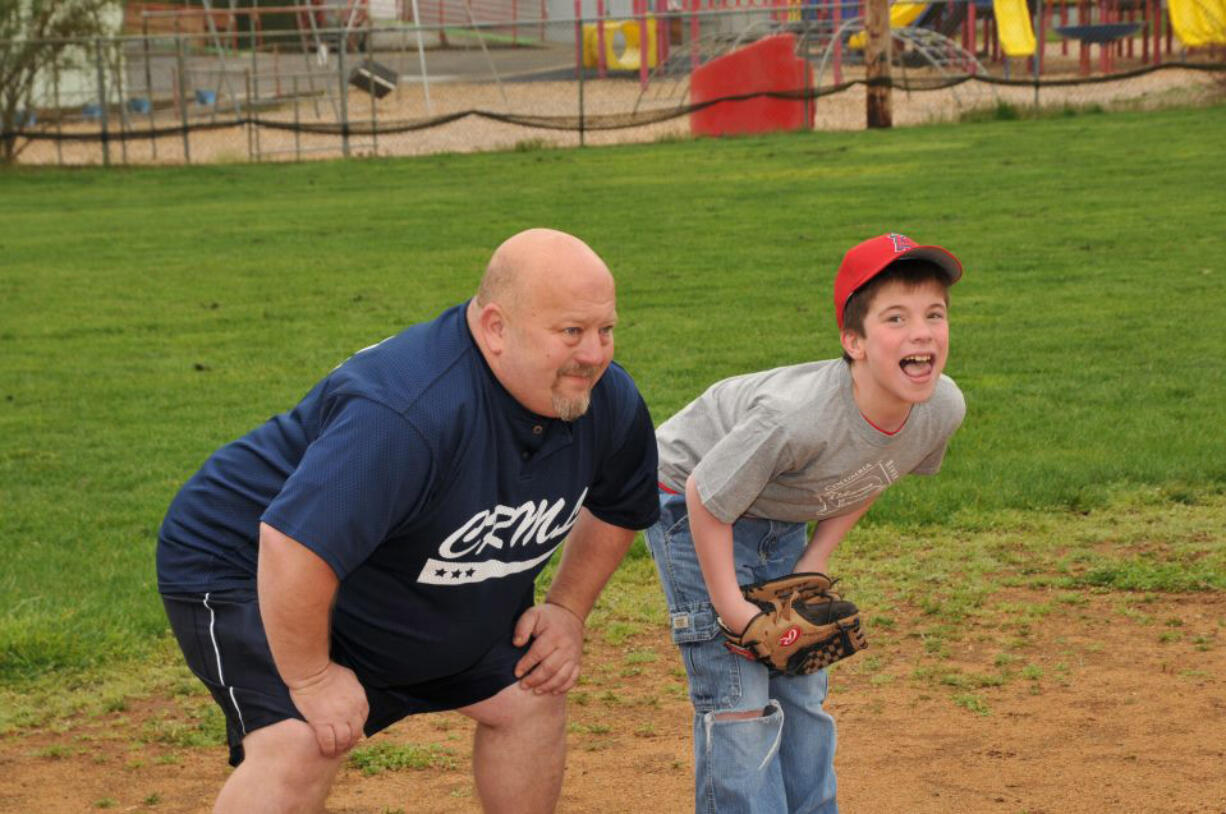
{"type": "Point", "coordinates": [148, 316]}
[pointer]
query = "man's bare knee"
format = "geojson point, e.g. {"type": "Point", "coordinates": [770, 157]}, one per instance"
{"type": "Point", "coordinates": [516, 707]}
{"type": "Point", "coordinates": [287, 758]}
{"type": "Point", "coordinates": [519, 750]}
{"type": "Point", "coordinates": [282, 771]}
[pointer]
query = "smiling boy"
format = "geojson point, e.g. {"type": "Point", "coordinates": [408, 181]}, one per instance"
{"type": "Point", "coordinates": [747, 465]}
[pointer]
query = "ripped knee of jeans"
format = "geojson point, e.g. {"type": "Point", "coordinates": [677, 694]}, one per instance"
{"type": "Point", "coordinates": [742, 715]}
{"type": "Point", "coordinates": [756, 731]}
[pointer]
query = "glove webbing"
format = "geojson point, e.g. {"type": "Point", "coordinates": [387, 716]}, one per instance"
{"type": "Point", "coordinates": [850, 639]}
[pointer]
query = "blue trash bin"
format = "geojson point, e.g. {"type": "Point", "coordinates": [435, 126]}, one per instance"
{"type": "Point", "coordinates": [139, 104]}
{"type": "Point", "coordinates": [206, 97]}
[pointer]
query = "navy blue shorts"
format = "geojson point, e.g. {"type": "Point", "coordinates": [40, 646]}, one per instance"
{"type": "Point", "coordinates": [222, 638]}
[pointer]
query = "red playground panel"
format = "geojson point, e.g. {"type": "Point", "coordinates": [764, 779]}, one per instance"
{"type": "Point", "coordinates": [770, 64]}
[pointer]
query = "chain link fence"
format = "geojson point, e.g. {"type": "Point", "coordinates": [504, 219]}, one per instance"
{"type": "Point", "coordinates": [245, 94]}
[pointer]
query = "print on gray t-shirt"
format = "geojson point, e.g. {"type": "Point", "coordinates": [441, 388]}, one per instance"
{"type": "Point", "coordinates": [790, 444]}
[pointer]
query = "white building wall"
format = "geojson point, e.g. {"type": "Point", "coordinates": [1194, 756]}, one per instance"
{"type": "Point", "coordinates": [78, 80]}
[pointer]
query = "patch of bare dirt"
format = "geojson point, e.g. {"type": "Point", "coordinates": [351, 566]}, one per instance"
{"type": "Point", "coordinates": [1109, 703]}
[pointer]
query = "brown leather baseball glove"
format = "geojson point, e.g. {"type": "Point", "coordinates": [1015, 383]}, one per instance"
{"type": "Point", "coordinates": [802, 628]}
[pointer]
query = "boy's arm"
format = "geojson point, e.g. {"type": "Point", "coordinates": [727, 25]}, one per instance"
{"type": "Point", "coordinates": [828, 534]}
{"type": "Point", "coordinates": [713, 545]}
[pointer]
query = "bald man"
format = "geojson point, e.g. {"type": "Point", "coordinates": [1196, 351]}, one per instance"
{"type": "Point", "coordinates": [372, 553]}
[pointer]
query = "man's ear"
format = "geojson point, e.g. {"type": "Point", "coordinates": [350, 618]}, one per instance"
{"type": "Point", "coordinates": [492, 323]}
{"type": "Point", "coordinates": [853, 344]}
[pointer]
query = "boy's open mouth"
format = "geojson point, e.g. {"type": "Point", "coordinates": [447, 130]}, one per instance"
{"type": "Point", "coordinates": [918, 365]}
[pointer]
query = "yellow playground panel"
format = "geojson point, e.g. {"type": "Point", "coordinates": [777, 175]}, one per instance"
{"type": "Point", "coordinates": [1013, 24]}
{"type": "Point", "coordinates": [901, 16]}
{"type": "Point", "coordinates": [1198, 23]}
{"type": "Point", "coordinates": [628, 58]}
{"type": "Point", "coordinates": [1014, 28]}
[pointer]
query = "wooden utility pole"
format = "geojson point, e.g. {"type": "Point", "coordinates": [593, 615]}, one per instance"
{"type": "Point", "coordinates": [879, 110]}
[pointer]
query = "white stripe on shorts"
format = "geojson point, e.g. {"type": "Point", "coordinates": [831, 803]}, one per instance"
{"type": "Point", "coordinates": [221, 678]}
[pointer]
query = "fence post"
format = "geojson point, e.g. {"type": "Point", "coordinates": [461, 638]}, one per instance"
{"type": "Point", "coordinates": [644, 41]}
{"type": "Point", "coordinates": [340, 69]}
{"type": "Point", "coordinates": [181, 83]}
{"type": "Point", "coordinates": [106, 149]}
{"type": "Point", "coordinates": [601, 61]}
{"type": "Point", "coordinates": [374, 108]}
{"type": "Point", "coordinates": [664, 23]}
{"type": "Point", "coordinates": [248, 126]}
{"type": "Point", "coordinates": [695, 34]}
{"type": "Point", "coordinates": [124, 124]}
{"type": "Point", "coordinates": [581, 123]}
{"type": "Point", "coordinates": [1157, 31]}
{"type": "Point", "coordinates": [1040, 48]}
{"type": "Point", "coordinates": [810, 105]}
{"type": "Point", "coordinates": [877, 63]}
{"type": "Point", "coordinates": [153, 142]}
{"type": "Point", "coordinates": [836, 25]}
{"type": "Point", "coordinates": [253, 93]}
{"type": "Point", "coordinates": [297, 123]}
{"type": "Point", "coordinates": [578, 38]}
{"type": "Point", "coordinates": [59, 113]}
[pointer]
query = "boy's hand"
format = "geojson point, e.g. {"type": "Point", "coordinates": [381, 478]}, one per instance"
{"type": "Point", "coordinates": [738, 618]}
{"type": "Point", "coordinates": [807, 627]}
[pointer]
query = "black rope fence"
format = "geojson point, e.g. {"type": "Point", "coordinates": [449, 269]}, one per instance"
{"type": "Point", "coordinates": [573, 122]}
{"type": "Point", "coordinates": [251, 93]}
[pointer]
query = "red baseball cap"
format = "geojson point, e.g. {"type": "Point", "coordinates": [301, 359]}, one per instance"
{"type": "Point", "coordinates": [866, 260]}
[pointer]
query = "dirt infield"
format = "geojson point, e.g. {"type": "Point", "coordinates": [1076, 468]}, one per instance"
{"type": "Point", "coordinates": [1112, 704]}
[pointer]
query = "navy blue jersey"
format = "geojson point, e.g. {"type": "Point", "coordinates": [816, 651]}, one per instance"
{"type": "Point", "coordinates": [434, 496]}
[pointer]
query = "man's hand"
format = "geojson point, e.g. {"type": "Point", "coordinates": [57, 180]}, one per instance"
{"type": "Point", "coordinates": [334, 704]}
{"type": "Point", "coordinates": [551, 664]}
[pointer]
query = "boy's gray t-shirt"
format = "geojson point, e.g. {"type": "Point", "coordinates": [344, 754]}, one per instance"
{"type": "Point", "coordinates": [790, 444]}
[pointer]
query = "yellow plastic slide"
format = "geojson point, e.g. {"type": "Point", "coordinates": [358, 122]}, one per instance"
{"type": "Point", "coordinates": [901, 16]}
{"type": "Point", "coordinates": [629, 57]}
{"type": "Point", "coordinates": [1014, 28]}
{"type": "Point", "coordinates": [1198, 23]}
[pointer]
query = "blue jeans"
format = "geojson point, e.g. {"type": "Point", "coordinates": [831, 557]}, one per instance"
{"type": "Point", "coordinates": [781, 760]}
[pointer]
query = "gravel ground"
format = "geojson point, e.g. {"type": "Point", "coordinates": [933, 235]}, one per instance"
{"type": "Point", "coordinates": [406, 106]}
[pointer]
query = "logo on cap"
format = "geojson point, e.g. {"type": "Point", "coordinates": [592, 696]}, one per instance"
{"type": "Point", "coordinates": [901, 243]}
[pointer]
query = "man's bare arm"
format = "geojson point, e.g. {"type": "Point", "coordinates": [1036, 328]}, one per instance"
{"type": "Point", "coordinates": [592, 553]}
{"type": "Point", "coordinates": [296, 591]}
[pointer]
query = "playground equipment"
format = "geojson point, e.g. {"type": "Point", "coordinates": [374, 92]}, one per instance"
{"type": "Point", "coordinates": [1199, 23]}
{"type": "Point", "coordinates": [629, 57]}
{"type": "Point", "coordinates": [949, 37]}
{"type": "Point", "coordinates": [1013, 27]}
{"type": "Point", "coordinates": [1104, 35]}
{"type": "Point", "coordinates": [902, 15]}
{"type": "Point", "coordinates": [768, 65]}
{"type": "Point", "coordinates": [220, 27]}
{"type": "Point", "coordinates": [330, 24]}
{"type": "Point", "coordinates": [819, 42]}
{"type": "Point", "coordinates": [930, 47]}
